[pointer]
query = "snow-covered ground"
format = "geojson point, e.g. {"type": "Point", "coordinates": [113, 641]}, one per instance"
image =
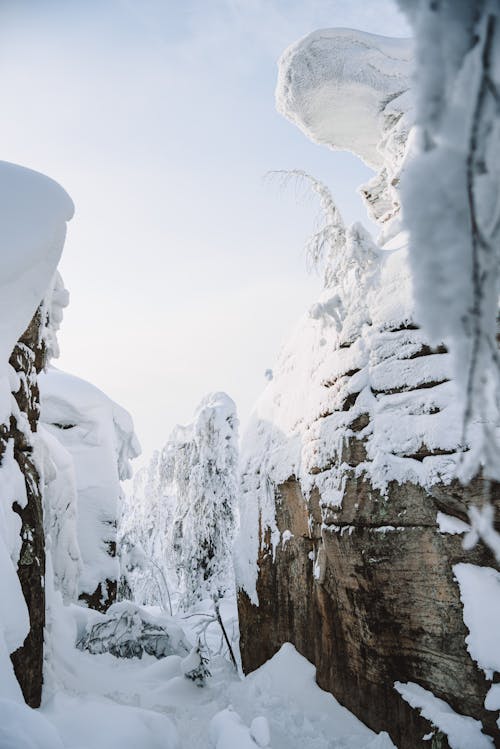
{"type": "Point", "coordinates": [113, 703]}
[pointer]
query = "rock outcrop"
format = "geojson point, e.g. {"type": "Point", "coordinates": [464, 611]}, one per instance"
{"type": "Point", "coordinates": [32, 229]}
{"type": "Point", "coordinates": [27, 360]}
{"type": "Point", "coordinates": [351, 518]}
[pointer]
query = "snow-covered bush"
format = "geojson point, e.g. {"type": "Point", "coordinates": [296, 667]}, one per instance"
{"type": "Point", "coordinates": [128, 631]}
{"type": "Point", "coordinates": [195, 666]}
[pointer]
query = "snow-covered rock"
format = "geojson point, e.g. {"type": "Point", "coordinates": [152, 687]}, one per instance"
{"type": "Point", "coordinates": [356, 443]}
{"type": "Point", "coordinates": [33, 216]}
{"type": "Point", "coordinates": [99, 436]}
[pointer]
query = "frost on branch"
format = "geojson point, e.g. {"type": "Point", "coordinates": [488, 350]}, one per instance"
{"type": "Point", "coordinates": [177, 529]}
{"type": "Point", "coordinates": [451, 199]}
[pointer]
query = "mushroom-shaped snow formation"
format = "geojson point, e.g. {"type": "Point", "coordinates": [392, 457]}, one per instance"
{"type": "Point", "coordinates": [335, 84]}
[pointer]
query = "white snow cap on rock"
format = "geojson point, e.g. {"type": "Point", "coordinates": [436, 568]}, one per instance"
{"type": "Point", "coordinates": [100, 437]}
{"type": "Point", "coordinates": [335, 83]}
{"type": "Point", "coordinates": [56, 299]}
{"type": "Point", "coordinates": [33, 216]}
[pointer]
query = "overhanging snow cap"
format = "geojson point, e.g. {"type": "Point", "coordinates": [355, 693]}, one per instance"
{"type": "Point", "coordinates": [334, 84]}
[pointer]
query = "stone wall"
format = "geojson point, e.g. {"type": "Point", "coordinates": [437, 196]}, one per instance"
{"type": "Point", "coordinates": [379, 604]}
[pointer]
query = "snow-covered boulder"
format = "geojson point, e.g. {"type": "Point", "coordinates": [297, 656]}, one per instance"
{"type": "Point", "coordinates": [99, 436]}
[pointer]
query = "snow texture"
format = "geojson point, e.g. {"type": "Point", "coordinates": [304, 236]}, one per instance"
{"type": "Point", "coordinates": [450, 190]}
{"type": "Point", "coordinates": [100, 701]}
{"type": "Point", "coordinates": [350, 74]}
{"type": "Point", "coordinates": [451, 524]}
{"type": "Point", "coordinates": [99, 436]}
{"type": "Point", "coordinates": [461, 731]}
{"type": "Point", "coordinates": [480, 595]}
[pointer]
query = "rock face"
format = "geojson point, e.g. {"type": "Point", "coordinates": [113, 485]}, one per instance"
{"type": "Point", "coordinates": [351, 518]}
{"type": "Point", "coordinates": [27, 359]}
{"type": "Point", "coordinates": [378, 604]}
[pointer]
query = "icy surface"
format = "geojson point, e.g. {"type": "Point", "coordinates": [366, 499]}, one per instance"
{"type": "Point", "coordinates": [461, 731]}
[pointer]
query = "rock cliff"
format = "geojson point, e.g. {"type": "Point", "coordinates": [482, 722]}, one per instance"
{"type": "Point", "coordinates": [351, 517]}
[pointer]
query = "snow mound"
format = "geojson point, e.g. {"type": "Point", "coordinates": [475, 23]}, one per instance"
{"type": "Point", "coordinates": [24, 728]}
{"type": "Point", "coordinates": [227, 731]}
{"type": "Point", "coordinates": [85, 721]}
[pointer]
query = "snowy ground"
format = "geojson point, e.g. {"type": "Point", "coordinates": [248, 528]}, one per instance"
{"type": "Point", "coordinates": [106, 702]}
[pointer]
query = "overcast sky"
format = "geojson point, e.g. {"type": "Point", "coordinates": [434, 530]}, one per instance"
{"type": "Point", "coordinates": [185, 268]}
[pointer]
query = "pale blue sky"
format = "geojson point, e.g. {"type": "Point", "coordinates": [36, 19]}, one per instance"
{"type": "Point", "coordinates": [185, 268]}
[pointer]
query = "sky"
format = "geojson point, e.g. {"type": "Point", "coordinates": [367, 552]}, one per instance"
{"type": "Point", "coordinates": [185, 266]}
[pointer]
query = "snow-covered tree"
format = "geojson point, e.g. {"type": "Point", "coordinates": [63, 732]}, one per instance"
{"type": "Point", "coordinates": [200, 464]}
{"type": "Point", "coordinates": [145, 543]}
{"type": "Point", "coordinates": [177, 528]}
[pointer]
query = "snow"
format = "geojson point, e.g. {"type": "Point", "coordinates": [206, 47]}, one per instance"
{"type": "Point", "coordinates": [84, 722]}
{"type": "Point", "coordinates": [227, 731]}
{"type": "Point", "coordinates": [101, 701]}
{"type": "Point", "coordinates": [461, 731]}
{"type": "Point", "coordinates": [449, 191]}
{"type": "Point", "coordinates": [60, 513]}
{"type": "Point", "coordinates": [24, 728]}
{"type": "Point", "coordinates": [259, 731]}
{"type": "Point", "coordinates": [356, 354]}
{"type": "Point", "coordinates": [450, 524]}
{"type": "Point", "coordinates": [480, 595]}
{"type": "Point", "coordinates": [98, 435]}
{"type": "Point", "coordinates": [177, 529]}
{"type": "Point", "coordinates": [334, 84]}
{"type": "Point", "coordinates": [55, 301]}
{"type": "Point", "coordinates": [33, 219]}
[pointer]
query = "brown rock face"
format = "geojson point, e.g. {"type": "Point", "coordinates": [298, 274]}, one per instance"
{"type": "Point", "coordinates": [27, 359]}
{"type": "Point", "coordinates": [102, 597]}
{"type": "Point", "coordinates": [382, 607]}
